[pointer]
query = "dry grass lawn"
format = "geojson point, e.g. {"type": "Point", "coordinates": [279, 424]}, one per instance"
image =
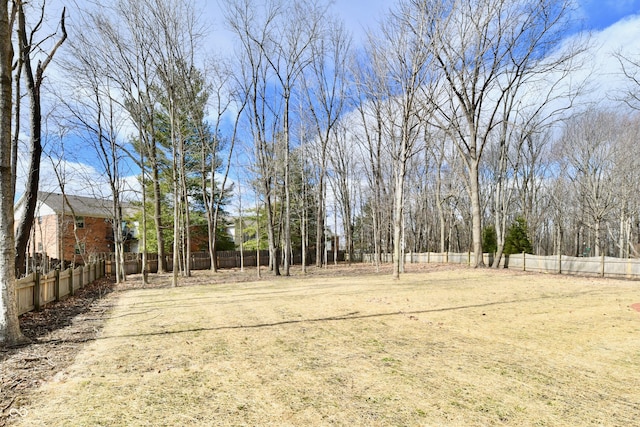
{"type": "Point", "coordinates": [441, 346]}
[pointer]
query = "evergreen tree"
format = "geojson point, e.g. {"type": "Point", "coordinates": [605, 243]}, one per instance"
{"type": "Point", "coordinates": [490, 239]}
{"type": "Point", "coordinates": [517, 240]}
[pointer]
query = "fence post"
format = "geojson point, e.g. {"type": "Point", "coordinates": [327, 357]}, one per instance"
{"type": "Point", "coordinates": [36, 291]}
{"type": "Point", "coordinates": [446, 257]}
{"type": "Point", "coordinates": [524, 261]}
{"type": "Point", "coordinates": [602, 265]}
{"type": "Point", "coordinates": [71, 284]}
{"type": "Point", "coordinates": [469, 259]}
{"type": "Point", "coordinates": [56, 286]}
{"type": "Point", "coordinates": [560, 263]}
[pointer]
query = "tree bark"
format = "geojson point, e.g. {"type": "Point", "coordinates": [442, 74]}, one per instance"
{"type": "Point", "coordinates": [10, 333]}
{"type": "Point", "coordinates": [476, 216]}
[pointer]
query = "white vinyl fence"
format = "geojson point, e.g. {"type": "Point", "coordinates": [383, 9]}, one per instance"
{"type": "Point", "coordinates": [561, 264]}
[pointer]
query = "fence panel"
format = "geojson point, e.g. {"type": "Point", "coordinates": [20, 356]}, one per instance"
{"type": "Point", "coordinates": [131, 267]}
{"type": "Point", "coordinates": [35, 291]}
{"type": "Point", "coordinates": [25, 290]}
{"type": "Point", "coordinates": [85, 275]}
{"type": "Point", "coordinates": [152, 265]}
{"type": "Point", "coordinates": [437, 257]}
{"type": "Point", "coordinates": [77, 278]}
{"type": "Point", "coordinates": [594, 266]}
{"type": "Point", "coordinates": [621, 267]}
{"type": "Point", "coordinates": [65, 283]}
{"type": "Point", "coordinates": [47, 288]}
{"type": "Point", "coordinates": [458, 258]}
{"type": "Point", "coordinates": [580, 265]}
{"type": "Point", "coordinates": [633, 268]}
{"type": "Point", "coordinates": [538, 263]}
{"type": "Point", "coordinates": [200, 263]}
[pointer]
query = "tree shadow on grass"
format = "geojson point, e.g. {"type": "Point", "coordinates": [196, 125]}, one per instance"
{"type": "Point", "coordinates": [356, 315]}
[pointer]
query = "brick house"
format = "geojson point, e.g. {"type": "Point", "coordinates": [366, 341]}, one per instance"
{"type": "Point", "coordinates": [53, 229]}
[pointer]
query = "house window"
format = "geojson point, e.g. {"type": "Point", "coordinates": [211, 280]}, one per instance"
{"type": "Point", "coordinates": [79, 249]}
{"type": "Point", "coordinates": [80, 222]}
{"type": "Point", "coordinates": [39, 246]}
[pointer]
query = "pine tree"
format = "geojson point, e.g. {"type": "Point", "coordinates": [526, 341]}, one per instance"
{"type": "Point", "coordinates": [517, 240]}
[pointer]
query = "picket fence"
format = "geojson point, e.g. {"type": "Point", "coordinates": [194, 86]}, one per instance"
{"type": "Point", "coordinates": [36, 290]}
{"type": "Point", "coordinates": [602, 266]}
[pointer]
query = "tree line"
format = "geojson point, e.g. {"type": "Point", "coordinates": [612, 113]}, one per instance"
{"type": "Point", "coordinates": [454, 126]}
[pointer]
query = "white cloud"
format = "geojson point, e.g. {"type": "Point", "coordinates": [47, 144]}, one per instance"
{"type": "Point", "coordinates": [79, 178]}
{"type": "Point", "coordinates": [607, 77]}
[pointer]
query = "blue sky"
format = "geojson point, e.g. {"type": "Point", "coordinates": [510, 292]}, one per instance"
{"type": "Point", "coordinates": [600, 14]}
{"type": "Point", "coordinates": [615, 23]}
{"type": "Point", "coordinates": [597, 14]}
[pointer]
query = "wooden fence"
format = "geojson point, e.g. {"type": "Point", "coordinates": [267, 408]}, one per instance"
{"type": "Point", "coordinates": [561, 264]}
{"type": "Point", "coordinates": [202, 260]}
{"type": "Point", "coordinates": [36, 290]}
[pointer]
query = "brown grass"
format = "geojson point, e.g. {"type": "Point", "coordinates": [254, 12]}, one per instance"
{"type": "Point", "coordinates": [442, 346]}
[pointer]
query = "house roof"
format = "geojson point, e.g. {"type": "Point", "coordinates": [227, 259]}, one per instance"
{"type": "Point", "coordinates": [81, 205]}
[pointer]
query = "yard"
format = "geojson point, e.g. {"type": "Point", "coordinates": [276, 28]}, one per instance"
{"type": "Point", "coordinates": [340, 346]}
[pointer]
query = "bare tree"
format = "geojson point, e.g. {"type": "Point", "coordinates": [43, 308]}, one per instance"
{"type": "Point", "coordinates": [342, 164]}
{"type": "Point", "coordinates": [98, 119]}
{"type": "Point", "coordinates": [626, 183]}
{"type": "Point", "coordinates": [630, 69]}
{"type": "Point", "coordinates": [448, 184]}
{"type": "Point", "coordinates": [59, 165]}
{"type": "Point", "coordinates": [403, 62]}
{"type": "Point", "coordinates": [369, 105]}
{"type": "Point", "coordinates": [289, 53]}
{"type": "Point", "coordinates": [534, 201]}
{"type": "Point", "coordinates": [127, 60]}
{"type": "Point", "coordinates": [29, 50]}
{"type": "Point", "coordinates": [173, 31]}
{"type": "Point", "coordinates": [224, 95]}
{"type": "Point", "coordinates": [590, 142]}
{"type": "Point", "coordinates": [325, 87]}
{"type": "Point", "coordinates": [483, 49]}
{"type": "Point", "coordinates": [255, 27]}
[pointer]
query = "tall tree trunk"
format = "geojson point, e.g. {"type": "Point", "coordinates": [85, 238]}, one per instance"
{"type": "Point", "coordinates": [185, 212]}
{"type": "Point", "coordinates": [10, 333]}
{"type": "Point", "coordinates": [273, 246]}
{"type": "Point", "coordinates": [157, 207]}
{"type": "Point", "coordinates": [16, 124]}
{"type": "Point", "coordinates": [598, 240]}
{"type": "Point", "coordinates": [287, 191]}
{"type": "Point", "coordinates": [398, 214]}
{"type": "Point", "coordinates": [176, 196]}
{"type": "Point", "coordinates": [30, 197]}
{"type": "Point", "coordinates": [34, 82]}
{"type": "Point", "coordinates": [476, 217]}
{"type": "Point", "coordinates": [320, 216]}
{"type": "Point", "coordinates": [143, 233]}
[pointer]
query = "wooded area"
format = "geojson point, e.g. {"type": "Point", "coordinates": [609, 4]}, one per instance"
{"type": "Point", "coordinates": [455, 126]}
